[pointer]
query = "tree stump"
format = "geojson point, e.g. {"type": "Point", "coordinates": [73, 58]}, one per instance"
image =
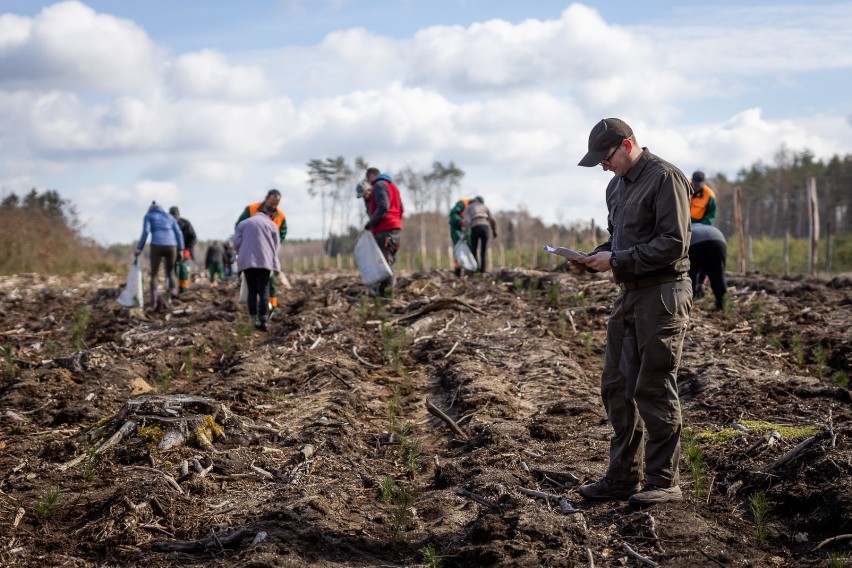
{"type": "Point", "coordinates": [168, 421]}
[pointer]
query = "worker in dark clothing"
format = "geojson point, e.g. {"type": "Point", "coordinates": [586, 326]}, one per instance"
{"type": "Point", "coordinates": [478, 221]}
{"type": "Point", "coordinates": [213, 262]}
{"type": "Point", "coordinates": [230, 257]}
{"type": "Point", "coordinates": [648, 252]}
{"type": "Point", "coordinates": [708, 253]}
{"type": "Point", "coordinates": [189, 237]}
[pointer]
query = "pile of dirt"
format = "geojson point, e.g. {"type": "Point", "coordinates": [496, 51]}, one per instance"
{"type": "Point", "coordinates": [450, 426]}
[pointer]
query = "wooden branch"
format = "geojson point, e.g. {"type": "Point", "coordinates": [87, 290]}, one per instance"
{"type": "Point", "coordinates": [363, 361]}
{"type": "Point", "coordinates": [435, 411]}
{"type": "Point", "coordinates": [341, 379]}
{"type": "Point", "coordinates": [792, 454]}
{"type": "Point", "coordinates": [837, 538]}
{"type": "Point", "coordinates": [450, 352]}
{"type": "Point", "coordinates": [169, 478]}
{"type": "Point", "coordinates": [638, 556]}
{"type": "Point", "coordinates": [481, 500]}
{"type": "Point", "coordinates": [538, 494]}
{"type": "Point", "coordinates": [652, 525]}
{"type": "Point", "coordinates": [590, 557]}
{"type": "Point", "coordinates": [440, 304]}
{"type": "Point", "coordinates": [234, 538]}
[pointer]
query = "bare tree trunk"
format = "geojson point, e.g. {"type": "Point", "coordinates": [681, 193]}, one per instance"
{"type": "Point", "coordinates": [738, 219]}
{"type": "Point", "coordinates": [813, 227]}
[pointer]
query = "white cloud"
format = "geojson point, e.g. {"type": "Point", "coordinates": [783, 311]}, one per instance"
{"type": "Point", "coordinates": [91, 106]}
{"type": "Point", "coordinates": [69, 45]}
{"type": "Point", "coordinates": [208, 74]}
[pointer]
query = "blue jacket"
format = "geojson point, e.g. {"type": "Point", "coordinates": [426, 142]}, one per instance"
{"type": "Point", "coordinates": [164, 229]}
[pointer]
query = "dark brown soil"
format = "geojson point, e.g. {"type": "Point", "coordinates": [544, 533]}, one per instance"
{"type": "Point", "coordinates": [335, 460]}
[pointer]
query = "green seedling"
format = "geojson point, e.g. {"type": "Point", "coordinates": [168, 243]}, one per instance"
{"type": "Point", "coordinates": [799, 349]}
{"type": "Point", "coordinates": [587, 342]}
{"type": "Point", "coordinates": [10, 368]}
{"type": "Point", "coordinates": [90, 464]}
{"type": "Point", "coordinates": [553, 291]}
{"type": "Point", "coordinates": [756, 316]}
{"type": "Point", "coordinates": [761, 509]}
{"type": "Point", "coordinates": [841, 378]}
{"type": "Point", "coordinates": [695, 461]}
{"type": "Point", "coordinates": [164, 379]}
{"type": "Point", "coordinates": [430, 556]}
{"type": "Point", "coordinates": [403, 499]}
{"type": "Point", "coordinates": [820, 358]}
{"type": "Point", "coordinates": [82, 319]}
{"type": "Point", "coordinates": [47, 506]}
{"type": "Point", "coordinates": [386, 489]}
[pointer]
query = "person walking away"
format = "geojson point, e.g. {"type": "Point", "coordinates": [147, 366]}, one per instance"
{"type": "Point", "coordinates": [478, 219]}
{"type": "Point", "coordinates": [702, 204]}
{"type": "Point", "coordinates": [457, 227]}
{"type": "Point", "coordinates": [213, 261]}
{"type": "Point", "coordinates": [647, 250]}
{"type": "Point", "coordinates": [270, 204]}
{"type": "Point", "coordinates": [229, 257]}
{"type": "Point", "coordinates": [384, 206]}
{"type": "Point", "coordinates": [183, 265]}
{"type": "Point", "coordinates": [708, 254]}
{"type": "Point", "coordinates": [257, 241]}
{"type": "Point", "coordinates": [166, 247]}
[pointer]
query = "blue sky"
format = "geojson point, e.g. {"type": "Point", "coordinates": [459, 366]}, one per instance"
{"type": "Point", "coordinates": [206, 105]}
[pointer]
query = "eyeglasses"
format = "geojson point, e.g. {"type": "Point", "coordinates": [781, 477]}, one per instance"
{"type": "Point", "coordinates": [611, 154]}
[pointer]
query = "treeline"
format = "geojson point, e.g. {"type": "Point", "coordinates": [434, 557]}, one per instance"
{"type": "Point", "coordinates": [428, 195]}
{"type": "Point", "coordinates": [40, 232]}
{"type": "Point", "coordinates": [775, 200]}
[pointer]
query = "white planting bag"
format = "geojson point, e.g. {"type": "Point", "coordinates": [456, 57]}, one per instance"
{"type": "Point", "coordinates": [463, 255]}
{"type": "Point", "coordinates": [243, 288]}
{"type": "Point", "coordinates": [371, 262]}
{"type": "Point", "coordinates": [132, 296]}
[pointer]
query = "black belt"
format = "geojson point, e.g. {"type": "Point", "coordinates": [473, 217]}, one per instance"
{"type": "Point", "coordinates": [650, 281]}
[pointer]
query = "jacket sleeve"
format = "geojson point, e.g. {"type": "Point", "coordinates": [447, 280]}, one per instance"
{"type": "Point", "coordinates": [456, 215]}
{"type": "Point", "coordinates": [710, 213]}
{"type": "Point", "coordinates": [191, 237]}
{"type": "Point", "coordinates": [243, 216]}
{"type": "Point", "coordinates": [178, 234]}
{"type": "Point", "coordinates": [146, 228]}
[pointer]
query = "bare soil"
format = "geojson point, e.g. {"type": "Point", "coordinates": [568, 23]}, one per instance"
{"type": "Point", "coordinates": [324, 452]}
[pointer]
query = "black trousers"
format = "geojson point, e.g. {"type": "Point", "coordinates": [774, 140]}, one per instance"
{"type": "Point", "coordinates": [479, 240]}
{"type": "Point", "coordinates": [708, 259]}
{"type": "Point", "coordinates": [257, 281]}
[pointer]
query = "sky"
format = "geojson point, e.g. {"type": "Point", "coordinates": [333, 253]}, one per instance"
{"type": "Point", "coordinates": [207, 105]}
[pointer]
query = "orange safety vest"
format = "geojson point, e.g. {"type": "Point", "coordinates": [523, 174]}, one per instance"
{"type": "Point", "coordinates": [698, 203]}
{"type": "Point", "coordinates": [279, 216]}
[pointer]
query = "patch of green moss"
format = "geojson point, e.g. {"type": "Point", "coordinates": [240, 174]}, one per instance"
{"type": "Point", "coordinates": [785, 431]}
{"type": "Point", "coordinates": [208, 431]}
{"type": "Point", "coordinates": [726, 434]}
{"type": "Point", "coordinates": [152, 434]}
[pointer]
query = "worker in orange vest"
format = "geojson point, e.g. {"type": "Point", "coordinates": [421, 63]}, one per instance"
{"type": "Point", "coordinates": [270, 203]}
{"type": "Point", "coordinates": [702, 204]}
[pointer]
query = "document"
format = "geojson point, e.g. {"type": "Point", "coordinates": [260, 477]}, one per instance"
{"type": "Point", "coordinates": [570, 254]}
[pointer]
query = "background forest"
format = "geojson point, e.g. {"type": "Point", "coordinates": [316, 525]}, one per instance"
{"type": "Point", "coordinates": [40, 232]}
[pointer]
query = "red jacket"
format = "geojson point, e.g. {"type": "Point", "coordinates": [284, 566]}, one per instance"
{"type": "Point", "coordinates": [385, 206]}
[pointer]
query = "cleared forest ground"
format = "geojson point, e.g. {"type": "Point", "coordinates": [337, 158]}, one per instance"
{"type": "Point", "coordinates": [322, 450]}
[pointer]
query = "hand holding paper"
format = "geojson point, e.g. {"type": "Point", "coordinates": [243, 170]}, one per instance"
{"type": "Point", "coordinates": [570, 254]}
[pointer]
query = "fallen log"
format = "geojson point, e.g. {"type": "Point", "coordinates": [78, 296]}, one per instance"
{"type": "Point", "coordinates": [212, 542]}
